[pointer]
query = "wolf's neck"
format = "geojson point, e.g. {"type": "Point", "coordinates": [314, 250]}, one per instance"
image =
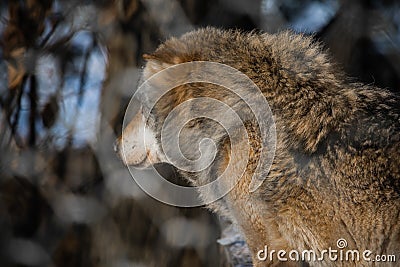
{"type": "Point", "coordinates": [309, 116]}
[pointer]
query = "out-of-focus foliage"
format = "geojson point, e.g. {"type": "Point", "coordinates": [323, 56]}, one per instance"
{"type": "Point", "coordinates": [67, 71]}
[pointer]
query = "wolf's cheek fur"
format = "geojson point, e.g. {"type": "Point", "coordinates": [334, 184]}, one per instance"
{"type": "Point", "coordinates": [137, 145]}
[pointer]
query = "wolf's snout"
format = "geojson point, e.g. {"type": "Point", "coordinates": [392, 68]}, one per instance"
{"type": "Point", "coordinates": [137, 146]}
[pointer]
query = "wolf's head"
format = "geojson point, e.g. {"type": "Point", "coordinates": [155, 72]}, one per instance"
{"type": "Point", "coordinates": [198, 99]}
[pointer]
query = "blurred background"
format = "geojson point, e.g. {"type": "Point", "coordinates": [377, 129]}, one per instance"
{"type": "Point", "coordinates": [67, 72]}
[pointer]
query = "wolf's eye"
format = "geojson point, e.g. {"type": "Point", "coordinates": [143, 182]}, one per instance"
{"type": "Point", "coordinates": [195, 122]}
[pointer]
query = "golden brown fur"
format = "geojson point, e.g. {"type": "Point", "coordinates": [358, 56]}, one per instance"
{"type": "Point", "coordinates": [336, 173]}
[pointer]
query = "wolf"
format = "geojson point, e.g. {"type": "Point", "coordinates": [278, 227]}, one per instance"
{"type": "Point", "coordinates": [336, 171]}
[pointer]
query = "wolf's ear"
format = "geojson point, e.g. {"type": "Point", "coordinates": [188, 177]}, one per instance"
{"type": "Point", "coordinates": [148, 57]}
{"type": "Point", "coordinates": [153, 65]}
